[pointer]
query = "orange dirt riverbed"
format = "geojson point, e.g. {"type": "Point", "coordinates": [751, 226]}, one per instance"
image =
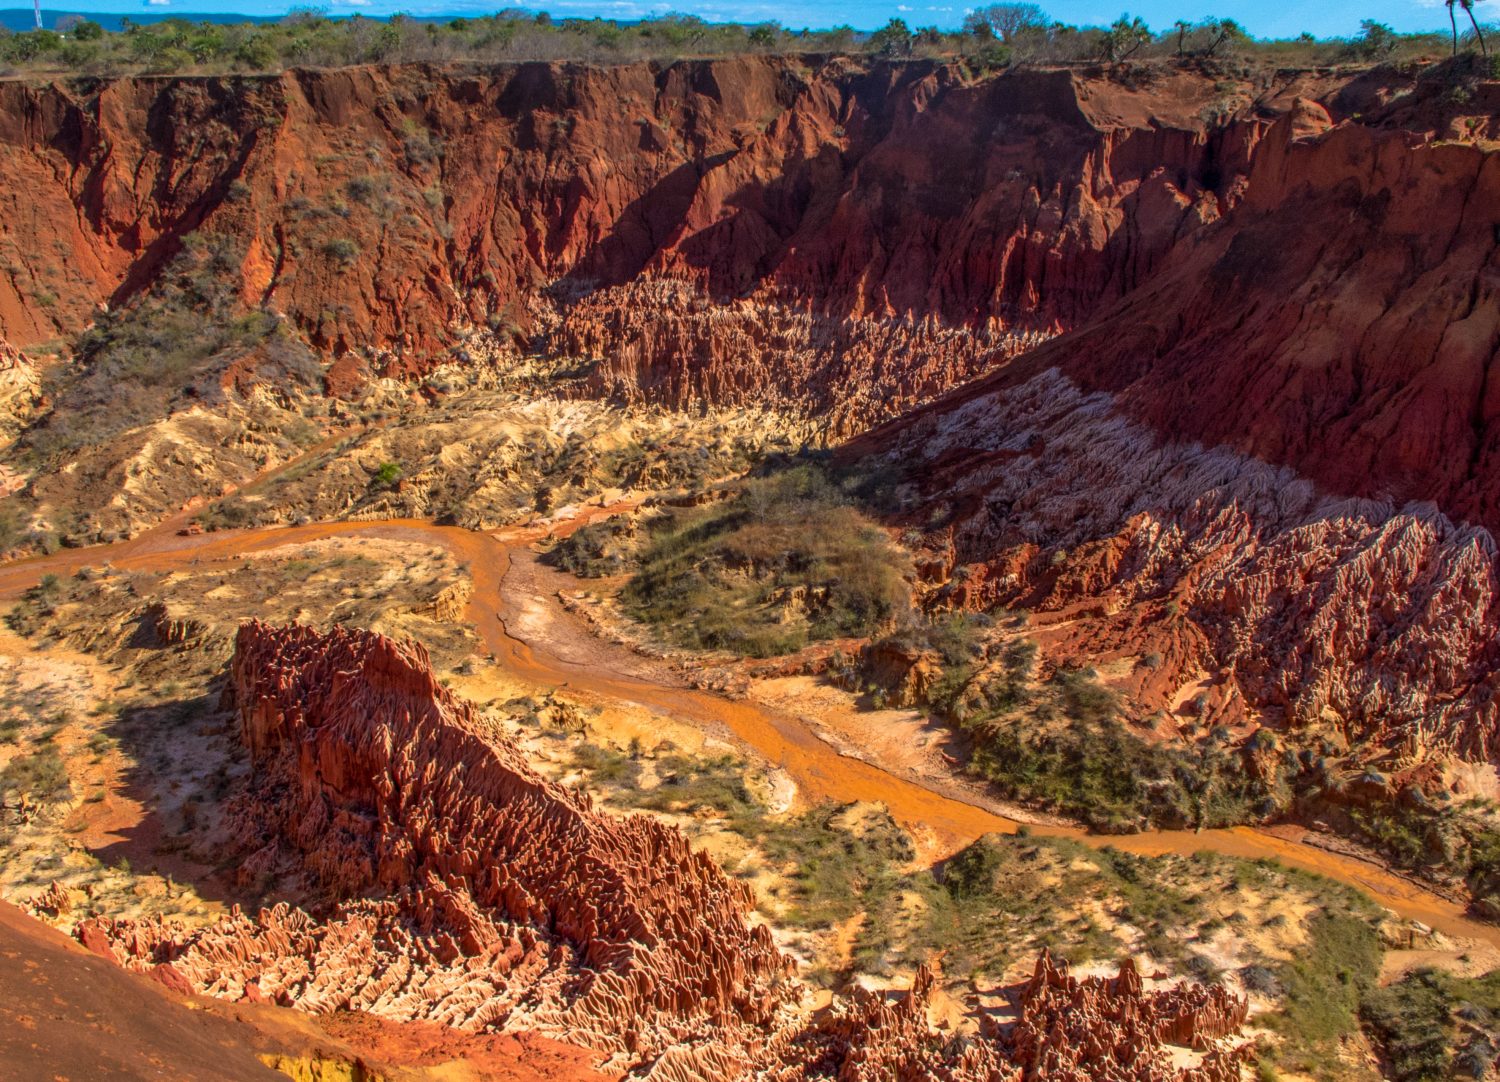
{"type": "Point", "coordinates": [781, 738]}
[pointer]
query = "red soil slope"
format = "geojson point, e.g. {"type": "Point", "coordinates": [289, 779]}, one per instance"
{"type": "Point", "coordinates": [70, 1015]}
{"type": "Point", "coordinates": [66, 1014]}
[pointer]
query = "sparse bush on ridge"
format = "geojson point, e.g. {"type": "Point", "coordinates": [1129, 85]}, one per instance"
{"type": "Point", "coordinates": [992, 37]}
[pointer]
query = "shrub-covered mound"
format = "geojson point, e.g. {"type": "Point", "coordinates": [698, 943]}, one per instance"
{"type": "Point", "coordinates": [786, 560]}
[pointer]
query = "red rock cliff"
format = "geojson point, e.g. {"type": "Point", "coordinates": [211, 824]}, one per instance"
{"type": "Point", "coordinates": [1274, 462]}
{"type": "Point", "coordinates": [833, 237]}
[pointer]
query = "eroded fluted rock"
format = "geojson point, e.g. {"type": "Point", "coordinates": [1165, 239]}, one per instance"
{"type": "Point", "coordinates": [20, 396]}
{"type": "Point", "coordinates": [1111, 1028]}
{"type": "Point", "coordinates": [461, 887]}
{"type": "Point", "coordinates": [1376, 618]}
{"type": "Point", "coordinates": [465, 888]}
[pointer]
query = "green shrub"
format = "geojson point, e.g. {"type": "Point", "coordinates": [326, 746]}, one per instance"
{"type": "Point", "coordinates": [386, 475]}
{"type": "Point", "coordinates": [342, 249]}
{"type": "Point", "coordinates": [39, 774]}
{"type": "Point", "coordinates": [604, 764]}
{"type": "Point", "coordinates": [970, 873]}
{"type": "Point", "coordinates": [1325, 985]}
{"type": "Point", "coordinates": [786, 560]}
{"type": "Point", "coordinates": [592, 551]}
{"type": "Point", "coordinates": [1111, 779]}
{"type": "Point", "coordinates": [687, 783]}
{"type": "Point", "coordinates": [1412, 1021]}
{"type": "Point", "coordinates": [1433, 1025]}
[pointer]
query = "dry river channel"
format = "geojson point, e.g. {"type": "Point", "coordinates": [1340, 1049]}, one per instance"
{"type": "Point", "coordinates": [819, 770]}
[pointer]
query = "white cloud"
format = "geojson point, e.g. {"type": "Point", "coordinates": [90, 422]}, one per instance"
{"type": "Point", "coordinates": [902, 7]}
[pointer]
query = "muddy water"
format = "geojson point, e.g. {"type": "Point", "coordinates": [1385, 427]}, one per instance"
{"type": "Point", "coordinates": [819, 771]}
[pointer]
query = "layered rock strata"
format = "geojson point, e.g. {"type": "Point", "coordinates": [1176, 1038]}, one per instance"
{"type": "Point", "coordinates": [833, 232]}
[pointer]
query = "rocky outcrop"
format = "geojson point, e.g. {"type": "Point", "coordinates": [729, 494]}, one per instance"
{"type": "Point", "coordinates": [906, 672]}
{"type": "Point", "coordinates": [20, 395]}
{"type": "Point", "coordinates": [1092, 1029]}
{"type": "Point", "coordinates": [1111, 1028]}
{"type": "Point", "coordinates": [868, 1037]}
{"type": "Point", "coordinates": [465, 888]}
{"type": "Point", "coordinates": [1271, 465]}
{"type": "Point", "coordinates": [460, 887]}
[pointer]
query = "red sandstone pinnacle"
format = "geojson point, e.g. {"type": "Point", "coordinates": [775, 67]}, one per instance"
{"type": "Point", "coordinates": [1110, 1028]}
{"type": "Point", "coordinates": [464, 888]}
{"type": "Point", "coordinates": [499, 892]}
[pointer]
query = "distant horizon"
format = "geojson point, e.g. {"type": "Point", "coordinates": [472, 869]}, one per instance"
{"type": "Point", "coordinates": [1338, 19]}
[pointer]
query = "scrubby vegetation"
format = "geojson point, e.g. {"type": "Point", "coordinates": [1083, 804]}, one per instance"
{"type": "Point", "coordinates": [1325, 984]}
{"type": "Point", "coordinates": [1098, 771]}
{"type": "Point", "coordinates": [1433, 1025]}
{"type": "Point", "coordinates": [37, 775]}
{"type": "Point", "coordinates": [140, 362]}
{"type": "Point", "coordinates": [991, 37]}
{"type": "Point", "coordinates": [1456, 841]}
{"type": "Point", "coordinates": [1058, 741]}
{"type": "Point", "coordinates": [598, 549]}
{"type": "Point", "coordinates": [788, 558]}
{"type": "Point", "coordinates": [1308, 947]}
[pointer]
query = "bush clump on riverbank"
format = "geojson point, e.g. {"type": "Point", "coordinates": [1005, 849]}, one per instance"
{"type": "Point", "coordinates": [1058, 741]}
{"type": "Point", "coordinates": [786, 560]}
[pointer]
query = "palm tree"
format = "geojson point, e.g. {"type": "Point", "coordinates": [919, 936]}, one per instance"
{"type": "Point", "coordinates": [1468, 6]}
{"type": "Point", "coordinates": [1182, 27]}
{"type": "Point", "coordinates": [1454, 23]}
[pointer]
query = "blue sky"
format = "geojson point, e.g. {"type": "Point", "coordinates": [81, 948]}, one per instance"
{"type": "Point", "coordinates": [1264, 19]}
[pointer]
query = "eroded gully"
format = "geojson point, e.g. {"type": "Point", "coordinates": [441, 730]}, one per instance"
{"type": "Point", "coordinates": [818, 769]}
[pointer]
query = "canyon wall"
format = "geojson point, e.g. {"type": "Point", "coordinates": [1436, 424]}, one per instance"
{"type": "Point", "coordinates": [839, 238]}
{"type": "Point", "coordinates": [458, 886]}
{"type": "Point", "coordinates": [1268, 475]}
{"type": "Point", "coordinates": [1264, 446]}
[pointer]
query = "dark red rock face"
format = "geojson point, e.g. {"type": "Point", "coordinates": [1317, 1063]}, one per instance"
{"type": "Point", "coordinates": [463, 888]}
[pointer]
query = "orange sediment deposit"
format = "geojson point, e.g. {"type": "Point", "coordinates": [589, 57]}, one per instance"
{"type": "Point", "coordinates": [782, 739]}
